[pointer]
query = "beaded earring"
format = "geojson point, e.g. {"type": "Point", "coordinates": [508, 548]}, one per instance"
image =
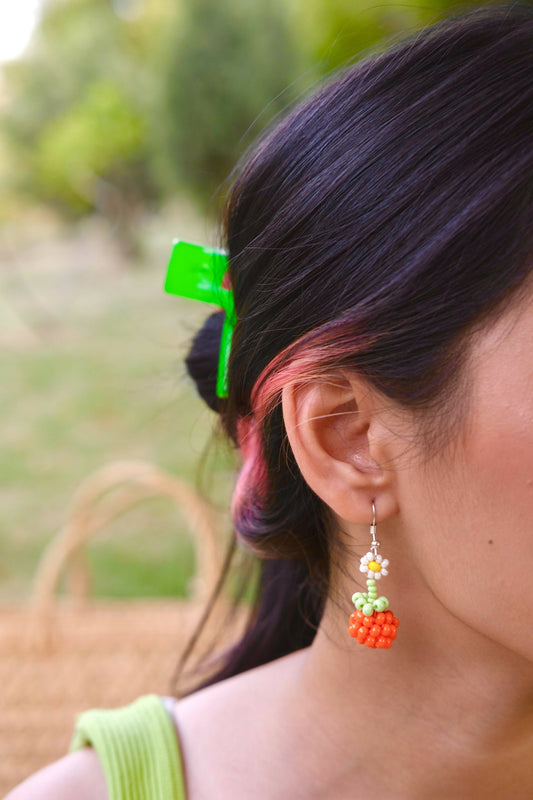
{"type": "Point", "coordinates": [373, 624]}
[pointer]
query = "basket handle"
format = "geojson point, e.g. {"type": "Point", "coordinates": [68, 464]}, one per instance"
{"type": "Point", "coordinates": [135, 481]}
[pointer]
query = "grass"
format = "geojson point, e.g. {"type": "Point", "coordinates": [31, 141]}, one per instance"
{"type": "Point", "coordinates": [102, 379]}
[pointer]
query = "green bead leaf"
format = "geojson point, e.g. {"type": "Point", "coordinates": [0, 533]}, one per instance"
{"type": "Point", "coordinates": [359, 599]}
{"type": "Point", "coordinates": [381, 604]}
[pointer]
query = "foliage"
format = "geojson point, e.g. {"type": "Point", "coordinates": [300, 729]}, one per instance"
{"type": "Point", "coordinates": [120, 103]}
{"type": "Point", "coordinates": [76, 117]}
{"type": "Point", "coordinates": [94, 137]}
{"type": "Point", "coordinates": [226, 74]}
{"type": "Point", "coordinates": [334, 32]}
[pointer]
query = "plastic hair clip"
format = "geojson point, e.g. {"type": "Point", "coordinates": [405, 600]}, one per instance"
{"type": "Point", "coordinates": [198, 273]}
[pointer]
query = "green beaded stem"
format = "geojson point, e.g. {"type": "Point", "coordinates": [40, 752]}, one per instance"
{"type": "Point", "coordinates": [368, 602]}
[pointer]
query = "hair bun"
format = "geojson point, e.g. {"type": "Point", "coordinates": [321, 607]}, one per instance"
{"type": "Point", "coordinates": [202, 359]}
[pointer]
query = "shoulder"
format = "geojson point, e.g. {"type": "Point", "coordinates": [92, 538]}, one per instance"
{"type": "Point", "coordinates": [215, 726]}
{"type": "Point", "coordinates": [77, 776]}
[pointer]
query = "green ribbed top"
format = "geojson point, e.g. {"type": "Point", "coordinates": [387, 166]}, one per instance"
{"type": "Point", "coordinates": [138, 749]}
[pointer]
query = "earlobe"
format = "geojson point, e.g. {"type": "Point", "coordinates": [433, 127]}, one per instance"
{"type": "Point", "coordinates": [342, 446]}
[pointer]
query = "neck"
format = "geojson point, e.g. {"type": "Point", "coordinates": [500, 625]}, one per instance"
{"type": "Point", "coordinates": [444, 713]}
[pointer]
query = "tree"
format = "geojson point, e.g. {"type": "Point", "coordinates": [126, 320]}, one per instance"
{"type": "Point", "coordinates": [334, 32]}
{"type": "Point", "coordinates": [76, 124]}
{"type": "Point", "coordinates": [228, 70]}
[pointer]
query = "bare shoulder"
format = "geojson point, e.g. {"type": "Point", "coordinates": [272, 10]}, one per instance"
{"type": "Point", "coordinates": [224, 725]}
{"type": "Point", "coordinates": [207, 709]}
{"type": "Point", "coordinates": [77, 776]}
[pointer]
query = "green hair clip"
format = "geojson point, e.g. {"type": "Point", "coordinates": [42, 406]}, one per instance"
{"type": "Point", "coordinates": [198, 273]}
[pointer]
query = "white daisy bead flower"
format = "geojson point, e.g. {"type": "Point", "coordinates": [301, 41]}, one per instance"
{"type": "Point", "coordinates": [374, 566]}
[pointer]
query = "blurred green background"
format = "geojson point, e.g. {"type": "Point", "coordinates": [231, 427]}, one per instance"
{"type": "Point", "coordinates": [120, 124]}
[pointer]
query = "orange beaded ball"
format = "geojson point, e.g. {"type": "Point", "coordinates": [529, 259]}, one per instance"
{"type": "Point", "coordinates": [377, 630]}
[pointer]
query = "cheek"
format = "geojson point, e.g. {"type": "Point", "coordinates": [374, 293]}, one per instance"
{"type": "Point", "coordinates": [498, 442]}
{"type": "Point", "coordinates": [477, 554]}
{"type": "Point", "coordinates": [500, 464]}
{"type": "Point", "coordinates": [498, 453]}
{"type": "Point", "coordinates": [502, 467]}
{"type": "Point", "coordinates": [470, 509]}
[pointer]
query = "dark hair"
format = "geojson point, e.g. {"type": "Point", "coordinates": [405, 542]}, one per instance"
{"type": "Point", "coordinates": [387, 217]}
{"type": "Point", "coordinates": [202, 359]}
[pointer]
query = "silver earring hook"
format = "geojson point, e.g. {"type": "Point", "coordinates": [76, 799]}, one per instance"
{"type": "Point", "coordinates": [375, 544]}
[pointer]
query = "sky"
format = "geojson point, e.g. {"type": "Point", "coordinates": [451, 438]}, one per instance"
{"type": "Point", "coordinates": [17, 20]}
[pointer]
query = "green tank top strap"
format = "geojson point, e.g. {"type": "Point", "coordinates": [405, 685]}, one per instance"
{"type": "Point", "coordinates": [138, 748]}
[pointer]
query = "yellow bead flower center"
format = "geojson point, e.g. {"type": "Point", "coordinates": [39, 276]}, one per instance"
{"type": "Point", "coordinates": [374, 566]}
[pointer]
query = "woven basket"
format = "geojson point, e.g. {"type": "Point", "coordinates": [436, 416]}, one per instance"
{"type": "Point", "coordinates": [59, 658]}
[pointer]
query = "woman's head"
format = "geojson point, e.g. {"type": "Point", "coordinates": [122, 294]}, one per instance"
{"type": "Point", "coordinates": [381, 221]}
{"type": "Point", "coordinates": [373, 236]}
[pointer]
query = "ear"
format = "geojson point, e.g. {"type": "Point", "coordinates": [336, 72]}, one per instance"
{"type": "Point", "coordinates": [343, 446]}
